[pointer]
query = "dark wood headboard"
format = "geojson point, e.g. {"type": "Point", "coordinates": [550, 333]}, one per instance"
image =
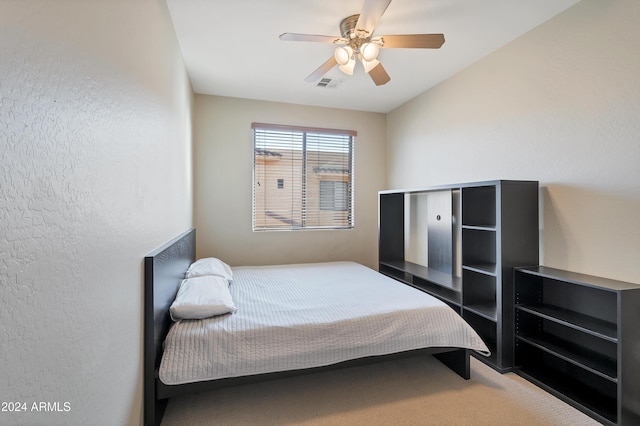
{"type": "Point", "coordinates": [164, 270]}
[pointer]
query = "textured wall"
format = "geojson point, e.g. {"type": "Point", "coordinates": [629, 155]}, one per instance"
{"type": "Point", "coordinates": [223, 163]}
{"type": "Point", "coordinates": [95, 131]}
{"type": "Point", "coordinates": [559, 105]}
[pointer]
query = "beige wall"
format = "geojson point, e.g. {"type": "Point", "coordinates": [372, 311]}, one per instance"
{"type": "Point", "coordinates": [223, 176]}
{"type": "Point", "coordinates": [95, 131]}
{"type": "Point", "coordinates": [561, 105]}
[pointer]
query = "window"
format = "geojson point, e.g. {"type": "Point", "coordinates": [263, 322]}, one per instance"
{"type": "Point", "coordinates": [317, 165]}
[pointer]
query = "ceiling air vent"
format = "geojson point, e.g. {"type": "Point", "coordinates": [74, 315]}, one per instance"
{"type": "Point", "coordinates": [329, 83]}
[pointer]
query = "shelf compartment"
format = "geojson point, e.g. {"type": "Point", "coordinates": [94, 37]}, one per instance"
{"type": "Point", "coordinates": [487, 310]}
{"type": "Point", "coordinates": [396, 273]}
{"type": "Point", "coordinates": [592, 361]}
{"type": "Point", "coordinates": [479, 206]}
{"type": "Point", "coordinates": [442, 279]}
{"type": "Point", "coordinates": [585, 350]}
{"type": "Point", "coordinates": [479, 250]}
{"type": "Point", "coordinates": [588, 306]}
{"type": "Point", "coordinates": [576, 320]}
{"type": "Point", "coordinates": [444, 286]}
{"type": "Point", "coordinates": [444, 293]}
{"type": "Point", "coordinates": [479, 293]}
{"type": "Point", "coordinates": [591, 393]}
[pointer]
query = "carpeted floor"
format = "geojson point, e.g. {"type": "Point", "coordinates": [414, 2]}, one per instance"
{"type": "Point", "coordinates": [410, 391]}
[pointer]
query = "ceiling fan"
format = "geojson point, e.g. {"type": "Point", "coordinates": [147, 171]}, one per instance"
{"type": "Point", "coordinates": [358, 42]}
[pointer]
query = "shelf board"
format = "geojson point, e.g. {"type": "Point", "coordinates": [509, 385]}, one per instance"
{"type": "Point", "coordinates": [448, 281]}
{"type": "Point", "coordinates": [482, 268]}
{"type": "Point", "coordinates": [590, 325]}
{"type": "Point", "coordinates": [585, 358]}
{"type": "Point", "coordinates": [488, 227]}
{"type": "Point", "coordinates": [577, 278]}
{"type": "Point", "coordinates": [485, 310]}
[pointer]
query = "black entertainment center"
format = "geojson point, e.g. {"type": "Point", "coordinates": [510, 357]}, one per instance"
{"type": "Point", "coordinates": [475, 246]}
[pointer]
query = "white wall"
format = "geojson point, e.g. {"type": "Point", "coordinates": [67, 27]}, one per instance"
{"type": "Point", "coordinates": [561, 105]}
{"type": "Point", "coordinates": [95, 172]}
{"type": "Point", "coordinates": [223, 164]}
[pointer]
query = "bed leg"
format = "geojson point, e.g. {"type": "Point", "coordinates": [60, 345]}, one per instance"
{"type": "Point", "coordinates": [458, 361]}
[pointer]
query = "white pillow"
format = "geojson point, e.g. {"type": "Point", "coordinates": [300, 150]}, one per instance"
{"type": "Point", "coordinates": [209, 266]}
{"type": "Point", "coordinates": [202, 297]}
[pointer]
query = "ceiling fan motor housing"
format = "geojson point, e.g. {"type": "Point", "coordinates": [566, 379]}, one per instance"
{"type": "Point", "coordinates": [355, 38]}
{"type": "Point", "coordinates": [348, 26]}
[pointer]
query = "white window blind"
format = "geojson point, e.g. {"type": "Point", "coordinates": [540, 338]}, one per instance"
{"type": "Point", "coordinates": [302, 178]}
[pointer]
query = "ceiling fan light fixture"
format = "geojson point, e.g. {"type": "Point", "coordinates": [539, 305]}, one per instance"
{"type": "Point", "coordinates": [356, 42]}
{"type": "Point", "coordinates": [369, 51]}
{"type": "Point", "coordinates": [343, 55]}
{"type": "Point", "coordinates": [348, 67]}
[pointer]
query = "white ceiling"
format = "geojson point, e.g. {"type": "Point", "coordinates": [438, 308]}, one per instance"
{"type": "Point", "coordinates": [231, 47]}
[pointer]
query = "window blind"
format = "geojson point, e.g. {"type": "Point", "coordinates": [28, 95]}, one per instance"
{"type": "Point", "coordinates": [302, 178]}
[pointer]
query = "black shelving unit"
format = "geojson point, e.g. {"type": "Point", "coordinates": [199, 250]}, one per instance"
{"type": "Point", "coordinates": [495, 228]}
{"type": "Point", "coordinates": [578, 337]}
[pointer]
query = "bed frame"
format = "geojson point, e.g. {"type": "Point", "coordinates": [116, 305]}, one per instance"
{"type": "Point", "coordinates": [164, 269]}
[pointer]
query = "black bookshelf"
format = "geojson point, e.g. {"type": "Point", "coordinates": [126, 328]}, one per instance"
{"type": "Point", "coordinates": [578, 337]}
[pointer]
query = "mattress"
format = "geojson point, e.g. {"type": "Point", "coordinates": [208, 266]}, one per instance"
{"type": "Point", "coordinates": [309, 315]}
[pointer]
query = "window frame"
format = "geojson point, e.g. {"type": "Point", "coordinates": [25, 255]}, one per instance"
{"type": "Point", "coordinates": [291, 224]}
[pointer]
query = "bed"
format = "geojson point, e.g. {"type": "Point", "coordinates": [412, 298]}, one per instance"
{"type": "Point", "coordinates": [338, 314]}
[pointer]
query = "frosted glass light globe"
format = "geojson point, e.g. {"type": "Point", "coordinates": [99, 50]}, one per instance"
{"type": "Point", "coordinates": [369, 51]}
{"type": "Point", "coordinates": [343, 54]}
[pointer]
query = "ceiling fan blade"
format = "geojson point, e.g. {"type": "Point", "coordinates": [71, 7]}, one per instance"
{"type": "Point", "coordinates": [322, 70]}
{"type": "Point", "coordinates": [424, 41]}
{"type": "Point", "coordinates": [311, 37]}
{"type": "Point", "coordinates": [379, 75]}
{"type": "Point", "coordinates": [370, 14]}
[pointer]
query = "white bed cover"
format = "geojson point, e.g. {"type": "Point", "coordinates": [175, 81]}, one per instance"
{"type": "Point", "coordinates": [308, 315]}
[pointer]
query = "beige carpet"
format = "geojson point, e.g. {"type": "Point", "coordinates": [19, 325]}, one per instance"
{"type": "Point", "coordinates": [410, 391]}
